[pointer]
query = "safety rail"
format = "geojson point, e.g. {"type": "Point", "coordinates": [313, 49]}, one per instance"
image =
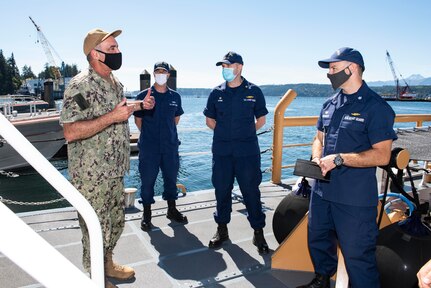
{"type": "Point", "coordinates": [280, 122]}
{"type": "Point", "coordinates": [26, 248]}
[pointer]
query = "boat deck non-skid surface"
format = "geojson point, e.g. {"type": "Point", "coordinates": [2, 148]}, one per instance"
{"type": "Point", "coordinates": [172, 255]}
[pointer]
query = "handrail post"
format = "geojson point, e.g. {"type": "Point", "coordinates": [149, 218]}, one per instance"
{"type": "Point", "coordinates": [277, 142]}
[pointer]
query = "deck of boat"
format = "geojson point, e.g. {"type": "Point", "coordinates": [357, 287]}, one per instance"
{"type": "Point", "coordinates": [172, 255]}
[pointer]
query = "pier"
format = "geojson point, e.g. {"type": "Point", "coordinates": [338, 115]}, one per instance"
{"type": "Point", "coordinates": [172, 255]}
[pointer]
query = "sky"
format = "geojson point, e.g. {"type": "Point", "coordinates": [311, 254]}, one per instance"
{"type": "Point", "coordinates": [280, 40]}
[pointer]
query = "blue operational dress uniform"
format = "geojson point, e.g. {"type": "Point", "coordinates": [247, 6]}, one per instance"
{"type": "Point", "coordinates": [158, 144]}
{"type": "Point", "coordinates": [235, 148]}
{"type": "Point", "coordinates": [345, 209]}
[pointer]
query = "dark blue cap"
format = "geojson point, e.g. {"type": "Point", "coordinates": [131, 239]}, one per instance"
{"type": "Point", "coordinates": [344, 54]}
{"type": "Point", "coordinates": [161, 65]}
{"type": "Point", "coordinates": [230, 58]}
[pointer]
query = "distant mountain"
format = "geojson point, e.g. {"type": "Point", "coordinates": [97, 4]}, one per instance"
{"type": "Point", "coordinates": [304, 89]}
{"type": "Point", "coordinates": [413, 80]}
{"type": "Point", "coordinates": [419, 84]}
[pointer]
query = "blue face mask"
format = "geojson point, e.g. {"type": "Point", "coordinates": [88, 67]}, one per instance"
{"type": "Point", "coordinates": [228, 74]}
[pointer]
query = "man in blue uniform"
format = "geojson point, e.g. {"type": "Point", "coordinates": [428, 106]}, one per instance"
{"type": "Point", "coordinates": [354, 135]}
{"type": "Point", "coordinates": [231, 111]}
{"type": "Point", "coordinates": [158, 145]}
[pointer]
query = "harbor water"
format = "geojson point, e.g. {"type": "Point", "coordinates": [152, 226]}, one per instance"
{"type": "Point", "coordinates": [195, 151]}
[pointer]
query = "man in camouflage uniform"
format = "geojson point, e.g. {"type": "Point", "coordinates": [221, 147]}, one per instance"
{"type": "Point", "coordinates": [95, 120]}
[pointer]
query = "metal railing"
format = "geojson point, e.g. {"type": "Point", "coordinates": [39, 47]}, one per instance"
{"type": "Point", "coordinates": [280, 122]}
{"type": "Point", "coordinates": [26, 248]}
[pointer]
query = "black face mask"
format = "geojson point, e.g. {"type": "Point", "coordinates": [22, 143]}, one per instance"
{"type": "Point", "coordinates": [112, 60]}
{"type": "Point", "coordinates": [339, 78]}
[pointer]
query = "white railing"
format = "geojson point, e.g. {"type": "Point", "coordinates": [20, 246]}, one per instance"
{"type": "Point", "coordinates": [26, 248]}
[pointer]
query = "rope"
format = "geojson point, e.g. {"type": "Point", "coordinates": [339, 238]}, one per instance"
{"type": "Point", "coordinates": [12, 202]}
{"type": "Point", "coordinates": [269, 169]}
{"type": "Point", "coordinates": [266, 150]}
{"type": "Point", "coordinates": [30, 172]}
{"type": "Point", "coordinates": [266, 131]}
{"type": "Point", "coordinates": [8, 174]}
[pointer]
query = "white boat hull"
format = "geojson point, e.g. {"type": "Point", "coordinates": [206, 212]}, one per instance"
{"type": "Point", "coordinates": [43, 131]}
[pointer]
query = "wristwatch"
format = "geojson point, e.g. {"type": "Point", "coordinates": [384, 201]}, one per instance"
{"type": "Point", "coordinates": [142, 105]}
{"type": "Point", "coordinates": [338, 160]}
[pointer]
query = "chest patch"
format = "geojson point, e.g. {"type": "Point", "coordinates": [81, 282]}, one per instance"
{"type": "Point", "coordinates": [249, 99]}
{"type": "Point", "coordinates": [220, 99]}
{"type": "Point", "coordinates": [354, 117]}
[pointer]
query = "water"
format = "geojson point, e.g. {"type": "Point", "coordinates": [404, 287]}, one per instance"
{"type": "Point", "coordinates": [195, 151]}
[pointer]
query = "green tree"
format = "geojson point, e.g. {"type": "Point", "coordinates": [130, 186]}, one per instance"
{"type": "Point", "coordinates": [47, 72]}
{"type": "Point", "coordinates": [66, 71]}
{"type": "Point", "coordinates": [10, 79]}
{"type": "Point", "coordinates": [3, 74]}
{"type": "Point", "coordinates": [27, 73]}
{"type": "Point", "coordinates": [69, 70]}
{"type": "Point", "coordinates": [14, 79]}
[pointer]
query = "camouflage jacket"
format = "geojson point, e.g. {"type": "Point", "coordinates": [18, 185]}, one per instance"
{"type": "Point", "coordinates": [105, 154]}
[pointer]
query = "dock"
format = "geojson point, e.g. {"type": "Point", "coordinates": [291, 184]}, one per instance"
{"type": "Point", "coordinates": [172, 255]}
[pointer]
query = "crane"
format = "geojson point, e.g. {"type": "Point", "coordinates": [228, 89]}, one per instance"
{"type": "Point", "coordinates": [401, 92]}
{"type": "Point", "coordinates": [47, 48]}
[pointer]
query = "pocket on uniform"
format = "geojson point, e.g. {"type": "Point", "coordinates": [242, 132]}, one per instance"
{"type": "Point", "coordinates": [352, 135]}
{"type": "Point", "coordinates": [247, 109]}
{"type": "Point", "coordinates": [351, 123]}
{"type": "Point", "coordinates": [171, 111]}
{"type": "Point", "coordinates": [221, 109]}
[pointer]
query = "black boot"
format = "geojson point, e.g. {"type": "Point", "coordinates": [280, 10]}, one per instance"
{"type": "Point", "coordinates": [319, 281]}
{"type": "Point", "coordinates": [219, 237]}
{"type": "Point", "coordinates": [146, 219]}
{"type": "Point", "coordinates": [259, 241]}
{"type": "Point", "coordinates": [174, 214]}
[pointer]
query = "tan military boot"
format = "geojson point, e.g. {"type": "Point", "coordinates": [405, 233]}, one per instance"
{"type": "Point", "coordinates": [117, 271]}
{"type": "Point", "coordinates": [109, 284]}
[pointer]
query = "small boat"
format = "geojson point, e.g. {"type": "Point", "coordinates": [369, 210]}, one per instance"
{"type": "Point", "coordinates": [41, 128]}
{"type": "Point", "coordinates": [23, 103]}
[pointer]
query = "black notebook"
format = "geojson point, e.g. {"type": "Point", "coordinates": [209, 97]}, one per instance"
{"type": "Point", "coordinates": [309, 169]}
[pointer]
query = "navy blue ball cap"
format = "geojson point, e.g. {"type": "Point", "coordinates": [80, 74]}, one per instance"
{"type": "Point", "coordinates": [344, 54]}
{"type": "Point", "coordinates": [161, 65]}
{"type": "Point", "coordinates": [230, 58]}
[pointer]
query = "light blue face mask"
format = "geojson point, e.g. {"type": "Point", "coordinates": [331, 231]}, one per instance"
{"type": "Point", "coordinates": [228, 74]}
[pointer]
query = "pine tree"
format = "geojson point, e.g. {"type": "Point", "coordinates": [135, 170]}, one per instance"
{"type": "Point", "coordinates": [3, 74]}
{"type": "Point", "coordinates": [70, 70]}
{"type": "Point", "coordinates": [47, 72]}
{"type": "Point", "coordinates": [14, 79]}
{"type": "Point", "coordinates": [27, 73]}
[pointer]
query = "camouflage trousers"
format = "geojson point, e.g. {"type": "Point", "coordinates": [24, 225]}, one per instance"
{"type": "Point", "coordinates": [107, 199]}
